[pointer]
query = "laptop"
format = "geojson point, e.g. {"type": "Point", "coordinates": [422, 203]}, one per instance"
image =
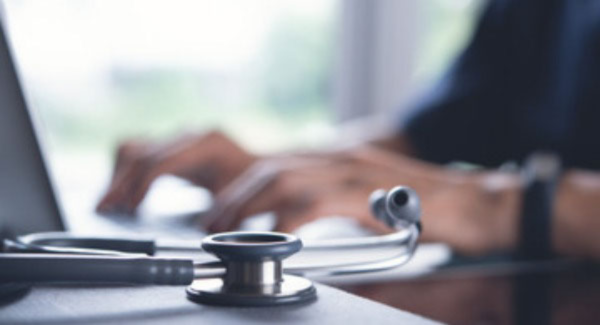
{"type": "Point", "coordinates": [27, 202]}
{"type": "Point", "coordinates": [28, 199]}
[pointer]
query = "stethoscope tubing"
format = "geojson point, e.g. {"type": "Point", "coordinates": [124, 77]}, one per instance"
{"type": "Point", "coordinates": [60, 257]}
{"type": "Point", "coordinates": [68, 264]}
{"type": "Point", "coordinates": [61, 242]}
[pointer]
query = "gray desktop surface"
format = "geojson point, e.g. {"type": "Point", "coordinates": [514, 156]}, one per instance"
{"type": "Point", "coordinates": [168, 305]}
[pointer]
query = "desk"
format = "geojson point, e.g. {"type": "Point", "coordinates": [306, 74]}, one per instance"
{"type": "Point", "coordinates": [168, 305]}
{"type": "Point", "coordinates": [497, 293]}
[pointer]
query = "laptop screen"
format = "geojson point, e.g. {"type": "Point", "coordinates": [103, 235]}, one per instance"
{"type": "Point", "coordinates": [27, 201]}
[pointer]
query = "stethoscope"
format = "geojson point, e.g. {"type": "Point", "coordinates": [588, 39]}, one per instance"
{"type": "Point", "coordinates": [249, 272]}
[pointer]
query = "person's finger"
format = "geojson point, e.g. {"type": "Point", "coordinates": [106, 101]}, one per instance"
{"type": "Point", "coordinates": [146, 172]}
{"type": "Point", "coordinates": [126, 153]}
{"type": "Point", "coordinates": [119, 196]}
{"type": "Point", "coordinates": [209, 160]}
{"type": "Point", "coordinates": [254, 191]}
{"type": "Point", "coordinates": [305, 190]}
{"type": "Point", "coordinates": [288, 221]}
{"type": "Point", "coordinates": [135, 172]}
{"type": "Point", "coordinates": [173, 157]}
{"type": "Point", "coordinates": [266, 186]}
{"type": "Point", "coordinates": [290, 194]}
{"type": "Point", "coordinates": [352, 204]}
{"type": "Point", "coordinates": [147, 169]}
{"type": "Point", "coordinates": [115, 196]}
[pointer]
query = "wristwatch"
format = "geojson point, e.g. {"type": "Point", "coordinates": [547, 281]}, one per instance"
{"type": "Point", "coordinates": [541, 173]}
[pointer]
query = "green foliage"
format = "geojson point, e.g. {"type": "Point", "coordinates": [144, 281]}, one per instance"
{"type": "Point", "coordinates": [298, 66]}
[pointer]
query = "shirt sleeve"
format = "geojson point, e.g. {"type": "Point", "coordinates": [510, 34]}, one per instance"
{"type": "Point", "coordinates": [462, 116]}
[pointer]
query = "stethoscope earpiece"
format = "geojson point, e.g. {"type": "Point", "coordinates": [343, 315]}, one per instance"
{"type": "Point", "coordinates": [398, 207]}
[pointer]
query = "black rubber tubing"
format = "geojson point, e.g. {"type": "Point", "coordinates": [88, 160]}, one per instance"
{"type": "Point", "coordinates": [144, 246]}
{"type": "Point", "coordinates": [94, 269]}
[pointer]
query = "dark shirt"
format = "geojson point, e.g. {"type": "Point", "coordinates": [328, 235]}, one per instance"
{"type": "Point", "coordinates": [529, 80]}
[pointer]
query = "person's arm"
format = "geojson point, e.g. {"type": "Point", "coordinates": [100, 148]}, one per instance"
{"type": "Point", "coordinates": [576, 219]}
{"type": "Point", "coordinates": [462, 116]}
{"type": "Point", "coordinates": [474, 212]}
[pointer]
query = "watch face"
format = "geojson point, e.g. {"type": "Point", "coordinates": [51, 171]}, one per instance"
{"type": "Point", "coordinates": [542, 166]}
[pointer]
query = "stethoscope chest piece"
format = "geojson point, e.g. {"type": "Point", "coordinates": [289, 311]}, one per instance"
{"type": "Point", "coordinates": [254, 273]}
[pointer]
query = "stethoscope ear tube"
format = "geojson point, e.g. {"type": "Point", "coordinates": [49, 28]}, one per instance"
{"type": "Point", "coordinates": [95, 269]}
{"type": "Point", "coordinates": [61, 242]}
{"type": "Point", "coordinates": [406, 245]}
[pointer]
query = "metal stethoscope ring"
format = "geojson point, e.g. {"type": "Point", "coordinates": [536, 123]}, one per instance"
{"type": "Point", "coordinates": [249, 272]}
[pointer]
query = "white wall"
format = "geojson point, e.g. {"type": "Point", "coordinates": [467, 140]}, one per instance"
{"type": "Point", "coordinates": [375, 62]}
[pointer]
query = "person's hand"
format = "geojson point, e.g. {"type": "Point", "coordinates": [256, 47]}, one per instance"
{"type": "Point", "coordinates": [473, 212]}
{"type": "Point", "coordinates": [211, 160]}
{"type": "Point", "coordinates": [301, 188]}
{"type": "Point", "coordinates": [476, 213]}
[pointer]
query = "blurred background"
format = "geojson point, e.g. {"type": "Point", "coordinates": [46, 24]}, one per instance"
{"type": "Point", "coordinates": [274, 74]}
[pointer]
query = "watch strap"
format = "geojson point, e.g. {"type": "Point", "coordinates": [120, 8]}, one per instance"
{"type": "Point", "coordinates": [541, 173]}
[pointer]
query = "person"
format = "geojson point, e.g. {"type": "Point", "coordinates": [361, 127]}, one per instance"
{"type": "Point", "coordinates": [527, 81]}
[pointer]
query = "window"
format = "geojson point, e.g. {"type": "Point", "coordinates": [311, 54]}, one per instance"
{"type": "Point", "coordinates": [391, 49]}
{"type": "Point", "coordinates": [274, 74]}
{"type": "Point", "coordinates": [447, 26]}
{"type": "Point", "coordinates": [99, 71]}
